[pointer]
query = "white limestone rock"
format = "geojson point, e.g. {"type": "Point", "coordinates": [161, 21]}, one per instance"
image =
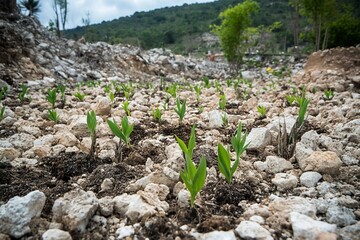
{"type": "Point", "coordinates": [277, 164]}
{"type": "Point", "coordinates": [56, 234]}
{"type": "Point", "coordinates": [310, 179]}
{"type": "Point", "coordinates": [323, 162]}
{"type": "Point", "coordinates": [258, 139]}
{"type": "Point", "coordinates": [249, 230]}
{"type": "Point", "coordinates": [285, 181]}
{"type": "Point", "coordinates": [215, 235]}
{"type": "Point", "coordinates": [17, 213]}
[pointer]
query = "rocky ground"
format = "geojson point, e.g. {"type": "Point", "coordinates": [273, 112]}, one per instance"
{"type": "Point", "coordinates": [51, 189]}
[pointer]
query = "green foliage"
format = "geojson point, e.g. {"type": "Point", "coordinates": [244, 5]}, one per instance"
{"type": "Point", "coordinates": [51, 97]}
{"type": "Point", "coordinates": [290, 99]}
{"type": "Point", "coordinates": [53, 115]}
{"type": "Point", "coordinates": [328, 94]}
{"type": "Point", "coordinates": [107, 88]}
{"type": "Point", "coordinates": [62, 89]}
{"type": "Point", "coordinates": [193, 178]}
{"type": "Point", "coordinates": [91, 124]}
{"type": "Point", "coordinates": [180, 109]}
{"type": "Point", "coordinates": [235, 21]}
{"type": "Point", "coordinates": [303, 105]}
{"type": "Point", "coordinates": [125, 107]}
{"type": "Point", "coordinates": [228, 82]}
{"type": "Point", "coordinates": [112, 96]}
{"type": "Point", "coordinates": [172, 90]}
{"type": "Point", "coordinates": [80, 96]}
{"type": "Point", "coordinates": [206, 81]}
{"type": "Point", "coordinates": [224, 120]}
{"type": "Point", "coordinates": [23, 93]}
{"type": "Point", "coordinates": [125, 131]}
{"type": "Point", "coordinates": [262, 111]}
{"type": "Point", "coordinates": [2, 112]}
{"type": "Point", "coordinates": [197, 92]}
{"type": "Point", "coordinates": [32, 6]}
{"type": "Point", "coordinates": [157, 114]}
{"type": "Point", "coordinates": [3, 92]}
{"type": "Point", "coordinates": [222, 102]}
{"type": "Point", "coordinates": [224, 159]}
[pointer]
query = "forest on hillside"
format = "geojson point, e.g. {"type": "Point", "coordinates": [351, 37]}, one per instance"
{"type": "Point", "coordinates": [179, 28]}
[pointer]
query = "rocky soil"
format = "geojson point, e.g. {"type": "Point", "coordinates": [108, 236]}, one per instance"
{"type": "Point", "coordinates": [51, 189]}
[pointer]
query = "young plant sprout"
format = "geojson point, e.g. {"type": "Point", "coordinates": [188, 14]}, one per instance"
{"type": "Point", "coordinates": [290, 99]}
{"type": "Point", "coordinates": [228, 82]}
{"type": "Point", "coordinates": [51, 97]}
{"type": "Point", "coordinates": [262, 111]}
{"type": "Point", "coordinates": [112, 96]}
{"type": "Point", "coordinates": [180, 109]}
{"type": "Point", "coordinates": [123, 133]}
{"type": "Point", "coordinates": [192, 176]}
{"type": "Point", "coordinates": [222, 102]}
{"type": "Point", "coordinates": [225, 120]}
{"type": "Point", "coordinates": [224, 159]}
{"type": "Point", "coordinates": [303, 105]}
{"type": "Point", "coordinates": [91, 124]}
{"type": "Point", "coordinates": [24, 91]}
{"type": "Point", "coordinates": [197, 92]}
{"type": "Point", "coordinates": [206, 81]}
{"type": "Point", "coordinates": [80, 96]}
{"type": "Point", "coordinates": [107, 88]}
{"type": "Point", "coordinates": [125, 107]}
{"type": "Point", "coordinates": [53, 115]}
{"type": "Point", "coordinates": [172, 90]}
{"type": "Point", "coordinates": [157, 114]}
{"type": "Point", "coordinates": [62, 89]}
{"type": "Point", "coordinates": [328, 94]}
{"type": "Point", "coordinates": [3, 92]}
{"type": "Point", "coordinates": [217, 86]}
{"type": "Point", "coordinates": [2, 112]}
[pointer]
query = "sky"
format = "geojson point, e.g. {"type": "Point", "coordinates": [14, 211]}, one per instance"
{"type": "Point", "coordinates": [104, 10]}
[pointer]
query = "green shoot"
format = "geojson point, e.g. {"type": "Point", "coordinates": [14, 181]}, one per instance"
{"type": "Point", "coordinates": [157, 114]}
{"type": "Point", "coordinates": [125, 107]}
{"type": "Point", "coordinates": [245, 94]}
{"type": "Point", "coordinates": [3, 92]}
{"type": "Point", "coordinates": [225, 120]}
{"type": "Point", "coordinates": [51, 97]}
{"type": "Point", "coordinates": [80, 96]}
{"type": "Point", "coordinates": [303, 104]}
{"type": "Point", "coordinates": [328, 94]}
{"type": "Point", "coordinates": [224, 159]}
{"type": "Point", "coordinates": [2, 112]}
{"type": "Point", "coordinates": [206, 81]}
{"type": "Point", "coordinates": [193, 178]}
{"type": "Point", "coordinates": [172, 90]}
{"type": "Point", "coordinates": [62, 89]}
{"type": "Point", "coordinates": [201, 109]}
{"type": "Point", "coordinates": [217, 86]}
{"type": "Point", "coordinates": [197, 92]}
{"type": "Point", "coordinates": [123, 133]}
{"type": "Point", "coordinates": [24, 91]}
{"type": "Point", "coordinates": [112, 96]}
{"type": "Point", "coordinates": [53, 116]}
{"type": "Point", "coordinates": [222, 102]}
{"type": "Point", "coordinates": [290, 99]}
{"type": "Point", "coordinates": [262, 111]}
{"type": "Point", "coordinates": [180, 109]}
{"type": "Point", "coordinates": [228, 82]}
{"type": "Point", "coordinates": [107, 88]}
{"type": "Point", "coordinates": [91, 124]}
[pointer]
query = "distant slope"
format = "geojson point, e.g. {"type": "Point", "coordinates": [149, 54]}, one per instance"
{"type": "Point", "coordinates": [174, 27]}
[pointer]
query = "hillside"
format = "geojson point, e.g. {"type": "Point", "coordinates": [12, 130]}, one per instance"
{"type": "Point", "coordinates": [176, 28]}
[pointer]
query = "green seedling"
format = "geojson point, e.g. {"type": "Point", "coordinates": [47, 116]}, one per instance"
{"type": "Point", "coordinates": [2, 113]}
{"type": "Point", "coordinates": [228, 82]}
{"type": "Point", "coordinates": [62, 89]}
{"type": "Point", "coordinates": [206, 81]}
{"type": "Point", "coordinates": [91, 124]}
{"type": "Point", "coordinates": [217, 86]}
{"type": "Point", "coordinates": [107, 88]}
{"type": "Point", "coordinates": [180, 109]}
{"type": "Point", "coordinates": [24, 91]}
{"type": "Point", "coordinates": [224, 159]}
{"type": "Point", "coordinates": [123, 133]}
{"type": "Point", "coordinates": [225, 120]}
{"type": "Point", "coordinates": [328, 94]}
{"type": "Point", "coordinates": [112, 96]}
{"type": "Point", "coordinates": [222, 102]}
{"type": "Point", "coordinates": [201, 109]}
{"type": "Point", "coordinates": [125, 107]}
{"type": "Point", "coordinates": [53, 116]}
{"type": "Point", "coordinates": [303, 105]}
{"type": "Point", "coordinates": [3, 92]}
{"type": "Point", "coordinates": [80, 96]}
{"type": "Point", "coordinates": [245, 94]}
{"type": "Point", "coordinates": [290, 99]}
{"type": "Point", "coordinates": [197, 92]}
{"type": "Point", "coordinates": [262, 111]}
{"type": "Point", "coordinates": [51, 97]}
{"type": "Point", "coordinates": [193, 178]}
{"type": "Point", "coordinates": [157, 114]}
{"type": "Point", "coordinates": [172, 90]}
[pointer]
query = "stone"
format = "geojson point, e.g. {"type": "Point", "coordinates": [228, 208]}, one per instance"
{"type": "Point", "coordinates": [107, 185]}
{"type": "Point", "coordinates": [175, 157]}
{"type": "Point", "coordinates": [47, 140]}
{"type": "Point", "coordinates": [103, 106]}
{"type": "Point", "coordinates": [277, 164]}
{"type": "Point", "coordinates": [310, 179]}
{"type": "Point", "coordinates": [215, 119]}
{"type": "Point", "coordinates": [56, 234]}
{"type": "Point", "coordinates": [160, 190]}
{"type": "Point", "coordinates": [106, 206]}
{"type": "Point", "coordinates": [16, 214]}
{"type": "Point", "coordinates": [323, 162]}
{"type": "Point", "coordinates": [67, 139]}
{"type": "Point", "coordinates": [284, 181]}
{"type": "Point", "coordinates": [351, 232]}
{"type": "Point", "coordinates": [340, 215]}
{"type": "Point", "coordinates": [302, 151]}
{"type": "Point", "coordinates": [305, 227]}
{"type": "Point", "coordinates": [124, 232]}
{"type": "Point", "coordinates": [349, 160]}
{"type": "Point", "coordinates": [75, 209]}
{"type": "Point", "coordinates": [258, 219]}
{"type": "Point", "coordinates": [8, 154]}
{"type": "Point", "coordinates": [258, 138]}
{"type": "Point", "coordinates": [279, 121]}
{"type": "Point", "coordinates": [215, 235]}
{"type": "Point", "coordinates": [249, 230]}
{"type": "Point", "coordinates": [23, 141]}
{"type": "Point", "coordinates": [78, 125]}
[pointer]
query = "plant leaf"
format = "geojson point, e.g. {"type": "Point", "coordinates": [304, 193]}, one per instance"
{"type": "Point", "coordinates": [224, 162]}
{"type": "Point", "coordinates": [200, 176]}
{"type": "Point", "coordinates": [116, 130]}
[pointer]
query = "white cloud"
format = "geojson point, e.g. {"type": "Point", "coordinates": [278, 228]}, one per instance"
{"type": "Point", "coordinates": [105, 10]}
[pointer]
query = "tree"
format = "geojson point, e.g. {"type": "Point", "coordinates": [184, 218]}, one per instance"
{"type": "Point", "coordinates": [235, 21]}
{"type": "Point", "coordinates": [295, 20]}
{"type": "Point", "coordinates": [33, 6]}
{"type": "Point", "coordinates": [60, 8]}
